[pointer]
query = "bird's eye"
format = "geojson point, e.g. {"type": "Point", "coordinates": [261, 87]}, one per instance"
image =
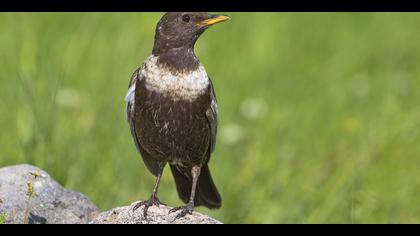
{"type": "Point", "coordinates": [186, 18]}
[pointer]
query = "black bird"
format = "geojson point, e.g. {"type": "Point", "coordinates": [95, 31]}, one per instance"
{"type": "Point", "coordinates": [172, 111]}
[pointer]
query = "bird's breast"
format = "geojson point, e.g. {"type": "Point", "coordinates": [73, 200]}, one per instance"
{"type": "Point", "coordinates": [172, 130]}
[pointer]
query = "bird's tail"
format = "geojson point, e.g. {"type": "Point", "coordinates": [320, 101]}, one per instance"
{"type": "Point", "coordinates": [206, 192]}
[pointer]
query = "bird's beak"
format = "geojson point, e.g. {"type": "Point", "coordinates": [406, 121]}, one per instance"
{"type": "Point", "coordinates": [214, 19]}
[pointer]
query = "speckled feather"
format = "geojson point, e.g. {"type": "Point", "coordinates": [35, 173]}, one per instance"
{"type": "Point", "coordinates": [176, 114]}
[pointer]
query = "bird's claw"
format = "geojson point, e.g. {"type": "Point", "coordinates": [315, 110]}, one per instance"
{"type": "Point", "coordinates": [153, 201]}
{"type": "Point", "coordinates": [187, 209]}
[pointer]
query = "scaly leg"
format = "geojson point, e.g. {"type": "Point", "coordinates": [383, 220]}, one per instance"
{"type": "Point", "coordinates": [154, 200]}
{"type": "Point", "coordinates": [188, 209]}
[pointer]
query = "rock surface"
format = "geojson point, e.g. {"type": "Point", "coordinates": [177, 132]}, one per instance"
{"type": "Point", "coordinates": [156, 215]}
{"type": "Point", "coordinates": [30, 195]}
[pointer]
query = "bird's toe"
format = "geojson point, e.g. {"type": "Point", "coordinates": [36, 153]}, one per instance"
{"type": "Point", "coordinates": [154, 201]}
{"type": "Point", "coordinates": [183, 211]}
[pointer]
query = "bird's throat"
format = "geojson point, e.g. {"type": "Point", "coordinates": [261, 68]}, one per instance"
{"type": "Point", "coordinates": [180, 59]}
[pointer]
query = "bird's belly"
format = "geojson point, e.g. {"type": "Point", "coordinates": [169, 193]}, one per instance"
{"type": "Point", "coordinates": [173, 131]}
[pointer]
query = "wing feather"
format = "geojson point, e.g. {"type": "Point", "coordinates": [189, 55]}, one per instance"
{"type": "Point", "coordinates": [150, 163]}
{"type": "Point", "coordinates": [212, 117]}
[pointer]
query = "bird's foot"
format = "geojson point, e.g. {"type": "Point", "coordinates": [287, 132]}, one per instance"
{"type": "Point", "coordinates": [153, 201]}
{"type": "Point", "coordinates": [184, 210]}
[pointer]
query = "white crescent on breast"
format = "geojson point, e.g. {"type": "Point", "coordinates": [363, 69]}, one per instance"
{"type": "Point", "coordinates": [179, 86]}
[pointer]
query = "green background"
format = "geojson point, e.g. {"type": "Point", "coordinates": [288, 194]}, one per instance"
{"type": "Point", "coordinates": [319, 112]}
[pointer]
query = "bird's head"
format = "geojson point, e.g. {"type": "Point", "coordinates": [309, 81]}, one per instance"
{"type": "Point", "coordinates": [182, 29]}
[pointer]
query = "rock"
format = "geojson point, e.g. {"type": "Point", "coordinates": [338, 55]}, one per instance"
{"type": "Point", "coordinates": [30, 195]}
{"type": "Point", "coordinates": [156, 215]}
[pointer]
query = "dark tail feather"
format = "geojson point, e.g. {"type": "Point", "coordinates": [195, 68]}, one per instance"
{"type": "Point", "coordinates": [206, 193]}
{"type": "Point", "coordinates": [207, 189]}
{"type": "Point", "coordinates": [183, 183]}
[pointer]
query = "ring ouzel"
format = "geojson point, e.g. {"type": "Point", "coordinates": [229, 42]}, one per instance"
{"type": "Point", "coordinates": [172, 111]}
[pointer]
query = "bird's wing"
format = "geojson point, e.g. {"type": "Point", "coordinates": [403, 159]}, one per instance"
{"type": "Point", "coordinates": [130, 97]}
{"type": "Point", "coordinates": [151, 164]}
{"type": "Point", "coordinates": [212, 117]}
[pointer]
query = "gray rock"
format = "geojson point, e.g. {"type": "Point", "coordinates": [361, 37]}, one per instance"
{"type": "Point", "coordinates": [30, 195]}
{"type": "Point", "coordinates": [156, 215]}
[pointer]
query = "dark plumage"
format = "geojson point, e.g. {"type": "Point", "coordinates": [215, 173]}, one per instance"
{"type": "Point", "coordinates": [172, 111]}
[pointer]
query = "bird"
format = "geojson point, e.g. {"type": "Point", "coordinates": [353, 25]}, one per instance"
{"type": "Point", "coordinates": [172, 112]}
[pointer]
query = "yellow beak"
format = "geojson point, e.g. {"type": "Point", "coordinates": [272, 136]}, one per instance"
{"type": "Point", "coordinates": [214, 20]}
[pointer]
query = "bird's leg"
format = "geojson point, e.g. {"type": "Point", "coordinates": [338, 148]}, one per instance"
{"type": "Point", "coordinates": [188, 209]}
{"type": "Point", "coordinates": [154, 200]}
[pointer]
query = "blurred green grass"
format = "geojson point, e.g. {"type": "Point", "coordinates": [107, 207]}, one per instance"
{"type": "Point", "coordinates": [331, 132]}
